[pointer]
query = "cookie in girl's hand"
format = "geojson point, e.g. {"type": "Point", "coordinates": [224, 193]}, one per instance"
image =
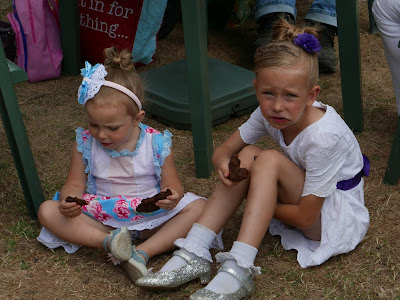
{"type": "Point", "coordinates": [236, 173]}
{"type": "Point", "coordinates": [149, 204]}
{"type": "Point", "coordinates": [81, 202]}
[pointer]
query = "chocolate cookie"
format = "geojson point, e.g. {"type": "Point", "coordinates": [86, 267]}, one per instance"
{"type": "Point", "coordinates": [148, 205]}
{"type": "Point", "coordinates": [236, 173]}
{"type": "Point", "coordinates": [81, 202]}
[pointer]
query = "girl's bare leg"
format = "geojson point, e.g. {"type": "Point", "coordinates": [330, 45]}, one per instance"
{"type": "Point", "coordinates": [273, 176]}
{"type": "Point", "coordinates": [224, 200]}
{"type": "Point", "coordinates": [162, 239]}
{"type": "Point", "coordinates": [82, 230]}
{"type": "Point", "coordinates": [221, 205]}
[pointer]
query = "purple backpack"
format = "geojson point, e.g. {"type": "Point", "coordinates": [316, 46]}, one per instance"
{"type": "Point", "coordinates": [37, 31]}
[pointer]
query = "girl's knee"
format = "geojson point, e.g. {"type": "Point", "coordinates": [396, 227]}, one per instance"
{"type": "Point", "coordinates": [196, 207]}
{"type": "Point", "coordinates": [247, 155]}
{"type": "Point", "coordinates": [270, 157]}
{"type": "Point", "coordinates": [267, 160]}
{"type": "Point", "coordinates": [46, 211]}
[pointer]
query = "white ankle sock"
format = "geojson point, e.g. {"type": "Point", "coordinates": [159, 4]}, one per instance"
{"type": "Point", "coordinates": [176, 261]}
{"type": "Point", "coordinates": [224, 282]}
{"type": "Point", "coordinates": [200, 236]}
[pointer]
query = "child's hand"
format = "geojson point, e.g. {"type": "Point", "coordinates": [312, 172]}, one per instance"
{"type": "Point", "coordinates": [170, 202]}
{"type": "Point", "coordinates": [223, 174]}
{"type": "Point", "coordinates": [70, 209]}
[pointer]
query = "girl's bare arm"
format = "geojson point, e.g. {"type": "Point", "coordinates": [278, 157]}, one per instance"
{"type": "Point", "coordinates": [302, 215]}
{"type": "Point", "coordinates": [74, 185]}
{"type": "Point", "coordinates": [170, 180]}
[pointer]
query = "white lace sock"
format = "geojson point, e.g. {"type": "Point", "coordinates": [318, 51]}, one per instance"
{"type": "Point", "coordinates": [176, 261]}
{"type": "Point", "coordinates": [199, 237]}
{"type": "Point", "coordinates": [224, 282]}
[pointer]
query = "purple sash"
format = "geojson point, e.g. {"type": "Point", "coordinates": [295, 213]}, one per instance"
{"type": "Point", "coordinates": [348, 184]}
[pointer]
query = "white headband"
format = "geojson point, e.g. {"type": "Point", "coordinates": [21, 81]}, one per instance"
{"type": "Point", "coordinates": [93, 80]}
{"type": "Point", "coordinates": [119, 88]}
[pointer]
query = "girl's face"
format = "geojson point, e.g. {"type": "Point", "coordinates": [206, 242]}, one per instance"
{"type": "Point", "coordinates": [112, 126]}
{"type": "Point", "coordinates": [284, 96]}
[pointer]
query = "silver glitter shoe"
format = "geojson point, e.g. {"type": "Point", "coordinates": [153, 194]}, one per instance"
{"type": "Point", "coordinates": [193, 269]}
{"type": "Point", "coordinates": [245, 290]}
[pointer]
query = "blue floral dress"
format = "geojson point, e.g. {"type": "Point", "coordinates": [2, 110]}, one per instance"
{"type": "Point", "coordinates": [118, 181]}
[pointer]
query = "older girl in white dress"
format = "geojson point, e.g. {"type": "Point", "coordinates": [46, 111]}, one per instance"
{"type": "Point", "coordinates": [310, 193]}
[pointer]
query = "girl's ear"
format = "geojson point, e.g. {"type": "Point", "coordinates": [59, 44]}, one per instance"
{"type": "Point", "coordinates": [313, 94]}
{"type": "Point", "coordinates": [139, 117]}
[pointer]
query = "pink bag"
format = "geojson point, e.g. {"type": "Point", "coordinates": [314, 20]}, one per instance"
{"type": "Point", "coordinates": [37, 31]}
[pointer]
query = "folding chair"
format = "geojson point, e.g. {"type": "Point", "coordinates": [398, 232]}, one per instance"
{"type": "Point", "coordinates": [11, 74]}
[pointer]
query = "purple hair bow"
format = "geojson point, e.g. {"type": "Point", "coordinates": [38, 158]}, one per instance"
{"type": "Point", "coordinates": [308, 42]}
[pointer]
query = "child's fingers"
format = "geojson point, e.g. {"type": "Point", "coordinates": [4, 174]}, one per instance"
{"type": "Point", "coordinates": [70, 209]}
{"type": "Point", "coordinates": [166, 204]}
{"type": "Point", "coordinates": [221, 175]}
{"type": "Point", "coordinates": [224, 179]}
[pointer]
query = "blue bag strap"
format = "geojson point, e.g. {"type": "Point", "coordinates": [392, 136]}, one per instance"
{"type": "Point", "coordinates": [23, 36]}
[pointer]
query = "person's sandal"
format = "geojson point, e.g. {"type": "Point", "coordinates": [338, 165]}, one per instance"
{"type": "Point", "coordinates": [119, 244]}
{"type": "Point", "coordinates": [135, 267]}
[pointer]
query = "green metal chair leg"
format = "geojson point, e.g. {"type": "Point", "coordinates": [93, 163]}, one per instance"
{"type": "Point", "coordinates": [16, 134]}
{"type": "Point", "coordinates": [195, 33]}
{"type": "Point", "coordinates": [392, 174]}
{"type": "Point", "coordinates": [350, 64]}
{"type": "Point", "coordinates": [372, 25]}
{"type": "Point", "coordinates": [70, 36]}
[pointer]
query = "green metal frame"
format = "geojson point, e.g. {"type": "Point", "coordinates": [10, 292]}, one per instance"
{"type": "Point", "coordinates": [16, 134]}
{"type": "Point", "coordinates": [195, 34]}
{"type": "Point", "coordinates": [372, 25]}
{"type": "Point", "coordinates": [350, 66]}
{"type": "Point", "coordinates": [70, 36]}
{"type": "Point", "coordinates": [392, 174]}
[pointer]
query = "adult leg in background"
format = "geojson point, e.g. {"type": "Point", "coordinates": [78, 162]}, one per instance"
{"type": "Point", "coordinates": [269, 11]}
{"type": "Point", "coordinates": [387, 18]}
{"type": "Point", "coordinates": [322, 13]}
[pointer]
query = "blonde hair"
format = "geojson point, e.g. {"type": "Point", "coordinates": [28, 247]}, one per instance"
{"type": "Point", "coordinates": [120, 69]}
{"type": "Point", "coordinates": [283, 53]}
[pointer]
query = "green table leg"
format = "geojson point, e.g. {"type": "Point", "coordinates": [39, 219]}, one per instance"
{"type": "Point", "coordinates": [16, 135]}
{"type": "Point", "coordinates": [350, 71]}
{"type": "Point", "coordinates": [392, 174]}
{"type": "Point", "coordinates": [372, 25]}
{"type": "Point", "coordinates": [195, 35]}
{"type": "Point", "coordinates": [70, 37]}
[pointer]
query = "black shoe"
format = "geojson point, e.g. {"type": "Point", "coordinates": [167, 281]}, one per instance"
{"type": "Point", "coordinates": [327, 59]}
{"type": "Point", "coordinates": [265, 27]}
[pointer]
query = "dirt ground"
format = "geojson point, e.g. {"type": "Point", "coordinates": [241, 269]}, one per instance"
{"type": "Point", "coordinates": [28, 270]}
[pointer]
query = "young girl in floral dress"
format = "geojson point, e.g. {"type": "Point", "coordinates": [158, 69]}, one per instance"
{"type": "Point", "coordinates": [116, 163]}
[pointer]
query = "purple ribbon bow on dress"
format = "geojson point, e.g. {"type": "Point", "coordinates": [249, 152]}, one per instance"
{"type": "Point", "coordinates": [348, 184]}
